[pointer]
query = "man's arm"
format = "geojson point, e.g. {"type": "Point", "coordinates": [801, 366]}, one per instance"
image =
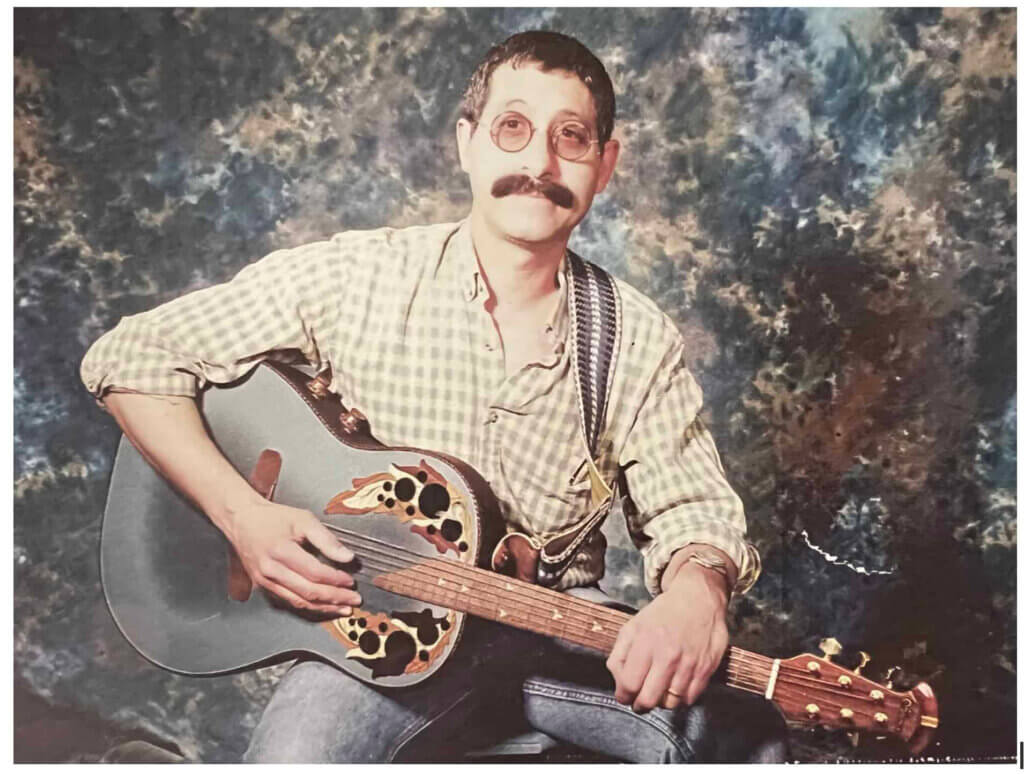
{"type": "Point", "coordinates": [148, 369]}
{"type": "Point", "coordinates": [683, 505]}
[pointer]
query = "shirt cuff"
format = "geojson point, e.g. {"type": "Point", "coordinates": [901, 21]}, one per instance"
{"type": "Point", "coordinates": [657, 556]}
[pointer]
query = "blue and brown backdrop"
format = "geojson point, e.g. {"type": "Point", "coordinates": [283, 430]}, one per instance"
{"type": "Point", "coordinates": [824, 200]}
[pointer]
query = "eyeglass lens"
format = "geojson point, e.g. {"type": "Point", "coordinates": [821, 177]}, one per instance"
{"type": "Point", "coordinates": [512, 132]}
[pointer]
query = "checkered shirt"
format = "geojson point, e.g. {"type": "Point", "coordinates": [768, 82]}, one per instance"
{"type": "Point", "coordinates": [398, 315]}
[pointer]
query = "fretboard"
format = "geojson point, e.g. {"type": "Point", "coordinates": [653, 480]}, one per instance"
{"type": "Point", "coordinates": [545, 611]}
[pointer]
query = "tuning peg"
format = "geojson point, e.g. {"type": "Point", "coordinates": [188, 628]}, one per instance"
{"type": "Point", "coordinates": [865, 657]}
{"type": "Point", "coordinates": [889, 674]}
{"type": "Point", "coordinates": [830, 647]}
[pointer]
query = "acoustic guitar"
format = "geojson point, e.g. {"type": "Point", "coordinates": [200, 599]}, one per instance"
{"type": "Point", "coordinates": [421, 525]}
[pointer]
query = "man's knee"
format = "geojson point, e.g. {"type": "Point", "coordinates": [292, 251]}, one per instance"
{"type": "Point", "coordinates": [320, 714]}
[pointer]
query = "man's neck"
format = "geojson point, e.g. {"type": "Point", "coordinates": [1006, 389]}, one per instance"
{"type": "Point", "coordinates": [518, 276]}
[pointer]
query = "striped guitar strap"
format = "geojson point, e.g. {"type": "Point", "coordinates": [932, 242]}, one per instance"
{"type": "Point", "coordinates": [595, 323]}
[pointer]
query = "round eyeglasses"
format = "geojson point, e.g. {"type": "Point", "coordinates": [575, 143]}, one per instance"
{"type": "Point", "coordinates": [513, 131]}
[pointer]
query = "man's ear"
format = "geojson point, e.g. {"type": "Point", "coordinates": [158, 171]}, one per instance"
{"type": "Point", "coordinates": [609, 157]}
{"type": "Point", "coordinates": [463, 134]}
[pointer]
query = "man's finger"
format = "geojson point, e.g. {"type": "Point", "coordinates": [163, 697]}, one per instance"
{"type": "Point", "coordinates": [324, 540]}
{"type": "Point", "coordinates": [655, 684]}
{"type": "Point", "coordinates": [311, 592]}
{"type": "Point", "coordinates": [671, 700]}
{"type": "Point", "coordinates": [305, 564]}
{"type": "Point", "coordinates": [619, 651]}
{"type": "Point", "coordinates": [295, 601]}
{"type": "Point", "coordinates": [697, 685]}
{"type": "Point", "coordinates": [681, 681]}
{"type": "Point", "coordinates": [630, 677]}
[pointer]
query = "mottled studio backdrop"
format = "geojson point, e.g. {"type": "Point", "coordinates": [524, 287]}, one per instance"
{"type": "Point", "coordinates": [824, 200]}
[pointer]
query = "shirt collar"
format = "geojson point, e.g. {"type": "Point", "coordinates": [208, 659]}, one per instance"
{"type": "Point", "coordinates": [471, 282]}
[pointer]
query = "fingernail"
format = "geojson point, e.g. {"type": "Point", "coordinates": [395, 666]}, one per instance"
{"type": "Point", "coordinates": [344, 610]}
{"type": "Point", "coordinates": [359, 600]}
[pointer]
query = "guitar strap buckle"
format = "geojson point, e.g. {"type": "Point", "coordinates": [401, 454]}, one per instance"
{"type": "Point", "coordinates": [557, 554]}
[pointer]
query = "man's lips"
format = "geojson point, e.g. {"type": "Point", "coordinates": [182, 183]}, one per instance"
{"type": "Point", "coordinates": [524, 184]}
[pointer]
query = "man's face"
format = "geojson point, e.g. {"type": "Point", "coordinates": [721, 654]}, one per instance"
{"type": "Point", "coordinates": [547, 100]}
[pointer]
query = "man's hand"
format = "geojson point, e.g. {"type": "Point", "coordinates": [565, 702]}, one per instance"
{"type": "Point", "coordinates": [269, 540]}
{"type": "Point", "coordinates": [666, 653]}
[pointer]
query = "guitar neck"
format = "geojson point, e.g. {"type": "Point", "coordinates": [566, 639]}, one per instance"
{"type": "Point", "coordinates": [528, 607]}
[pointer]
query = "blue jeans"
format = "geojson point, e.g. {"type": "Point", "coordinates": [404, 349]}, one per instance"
{"type": "Point", "coordinates": [501, 682]}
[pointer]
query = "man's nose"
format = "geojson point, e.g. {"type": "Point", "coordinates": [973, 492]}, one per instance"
{"type": "Point", "coordinates": [538, 158]}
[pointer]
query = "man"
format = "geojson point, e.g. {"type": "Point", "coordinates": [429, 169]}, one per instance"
{"type": "Point", "coordinates": [455, 337]}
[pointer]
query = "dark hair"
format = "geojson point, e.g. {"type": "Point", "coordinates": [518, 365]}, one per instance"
{"type": "Point", "coordinates": [552, 51]}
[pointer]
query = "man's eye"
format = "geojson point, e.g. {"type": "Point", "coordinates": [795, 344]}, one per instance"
{"type": "Point", "coordinates": [512, 121]}
{"type": "Point", "coordinates": [574, 133]}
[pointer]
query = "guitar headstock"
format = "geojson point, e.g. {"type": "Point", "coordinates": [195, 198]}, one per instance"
{"type": "Point", "coordinates": [814, 691]}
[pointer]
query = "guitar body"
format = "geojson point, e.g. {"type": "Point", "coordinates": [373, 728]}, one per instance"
{"type": "Point", "coordinates": [172, 583]}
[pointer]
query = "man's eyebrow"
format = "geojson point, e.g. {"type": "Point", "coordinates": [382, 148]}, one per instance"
{"type": "Point", "coordinates": [568, 112]}
{"type": "Point", "coordinates": [563, 113]}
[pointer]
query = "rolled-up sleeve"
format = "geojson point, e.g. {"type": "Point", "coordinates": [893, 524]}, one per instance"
{"type": "Point", "coordinates": [286, 300]}
{"type": "Point", "coordinates": [677, 487]}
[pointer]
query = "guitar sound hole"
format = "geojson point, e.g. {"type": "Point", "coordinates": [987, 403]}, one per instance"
{"type": "Point", "coordinates": [433, 500]}
{"type": "Point", "coordinates": [451, 529]}
{"type": "Point", "coordinates": [369, 642]}
{"type": "Point", "coordinates": [399, 651]}
{"type": "Point", "coordinates": [405, 489]}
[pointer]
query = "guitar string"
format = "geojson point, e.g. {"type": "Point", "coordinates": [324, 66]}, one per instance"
{"type": "Point", "coordinates": [732, 680]}
{"type": "Point", "coordinates": [607, 615]}
{"type": "Point", "coordinates": [517, 613]}
{"type": "Point", "coordinates": [485, 602]}
{"type": "Point", "coordinates": [587, 635]}
{"type": "Point", "coordinates": [551, 597]}
{"type": "Point", "coordinates": [526, 593]}
{"type": "Point", "coordinates": [555, 598]}
{"type": "Point", "coordinates": [473, 575]}
{"type": "Point", "coordinates": [786, 682]}
{"type": "Point", "coordinates": [759, 663]}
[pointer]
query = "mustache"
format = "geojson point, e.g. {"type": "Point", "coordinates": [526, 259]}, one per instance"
{"type": "Point", "coordinates": [524, 184]}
